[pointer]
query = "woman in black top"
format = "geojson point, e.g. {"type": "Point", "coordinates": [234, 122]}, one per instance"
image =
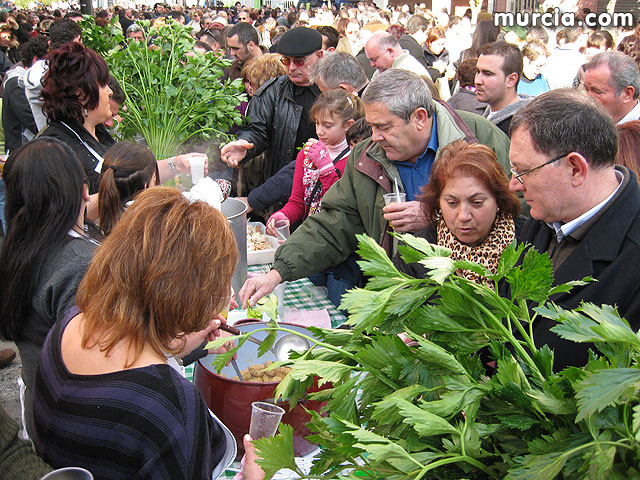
{"type": "Point", "coordinates": [76, 96]}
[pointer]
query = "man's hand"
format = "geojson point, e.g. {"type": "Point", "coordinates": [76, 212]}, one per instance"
{"type": "Point", "coordinates": [245, 200]}
{"type": "Point", "coordinates": [233, 152]}
{"type": "Point", "coordinates": [405, 217]}
{"type": "Point", "coordinates": [257, 287]}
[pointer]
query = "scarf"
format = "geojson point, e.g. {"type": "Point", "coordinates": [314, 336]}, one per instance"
{"type": "Point", "coordinates": [487, 253]}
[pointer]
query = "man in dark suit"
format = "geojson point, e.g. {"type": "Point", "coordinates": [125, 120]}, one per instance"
{"type": "Point", "coordinates": [585, 209]}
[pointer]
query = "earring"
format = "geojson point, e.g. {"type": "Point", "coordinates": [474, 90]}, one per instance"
{"type": "Point", "coordinates": [86, 112]}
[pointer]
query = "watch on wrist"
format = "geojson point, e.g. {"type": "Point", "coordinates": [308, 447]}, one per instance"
{"type": "Point", "coordinates": [172, 167]}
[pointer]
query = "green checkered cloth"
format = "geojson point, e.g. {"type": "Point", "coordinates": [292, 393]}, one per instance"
{"type": "Point", "coordinates": [298, 295]}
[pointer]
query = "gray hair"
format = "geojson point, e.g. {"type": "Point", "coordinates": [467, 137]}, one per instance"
{"type": "Point", "coordinates": [134, 28]}
{"type": "Point", "coordinates": [564, 121]}
{"type": "Point", "coordinates": [384, 40]}
{"type": "Point", "coordinates": [623, 68]}
{"type": "Point", "coordinates": [401, 91]}
{"type": "Point", "coordinates": [336, 68]}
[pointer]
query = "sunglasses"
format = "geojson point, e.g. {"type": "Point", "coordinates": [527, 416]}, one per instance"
{"type": "Point", "coordinates": [298, 61]}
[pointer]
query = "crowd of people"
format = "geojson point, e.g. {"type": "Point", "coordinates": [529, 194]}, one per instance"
{"type": "Point", "coordinates": [493, 135]}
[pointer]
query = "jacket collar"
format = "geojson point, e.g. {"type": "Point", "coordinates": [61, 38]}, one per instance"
{"type": "Point", "coordinates": [604, 240]}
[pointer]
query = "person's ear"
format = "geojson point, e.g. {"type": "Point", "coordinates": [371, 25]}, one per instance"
{"type": "Point", "coordinates": [511, 80]}
{"type": "Point", "coordinates": [627, 94]}
{"type": "Point", "coordinates": [420, 118]}
{"type": "Point", "coordinates": [85, 193]}
{"type": "Point", "coordinates": [579, 168]}
{"type": "Point", "coordinates": [348, 123]}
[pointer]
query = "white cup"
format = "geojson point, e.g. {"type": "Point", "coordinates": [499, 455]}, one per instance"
{"type": "Point", "coordinates": [69, 473]}
{"type": "Point", "coordinates": [197, 167]}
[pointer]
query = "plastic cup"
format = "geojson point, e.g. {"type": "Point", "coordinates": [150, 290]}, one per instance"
{"type": "Point", "coordinates": [265, 418]}
{"type": "Point", "coordinates": [279, 293]}
{"type": "Point", "coordinates": [393, 197]}
{"type": "Point", "coordinates": [282, 229]}
{"type": "Point", "coordinates": [69, 473]}
{"type": "Point", "coordinates": [197, 167]}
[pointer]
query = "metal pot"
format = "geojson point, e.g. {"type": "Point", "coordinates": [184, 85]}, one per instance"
{"type": "Point", "coordinates": [236, 212]}
{"type": "Point", "coordinates": [231, 399]}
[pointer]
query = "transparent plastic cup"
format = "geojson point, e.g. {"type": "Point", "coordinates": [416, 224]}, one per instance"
{"type": "Point", "coordinates": [265, 418]}
{"type": "Point", "coordinates": [69, 473]}
{"type": "Point", "coordinates": [197, 167]}
{"type": "Point", "coordinates": [282, 229]}
{"type": "Point", "coordinates": [390, 198]}
{"type": "Point", "coordinates": [393, 197]}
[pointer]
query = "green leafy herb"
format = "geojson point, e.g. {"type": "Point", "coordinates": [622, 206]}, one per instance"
{"type": "Point", "coordinates": [173, 98]}
{"type": "Point", "coordinates": [435, 409]}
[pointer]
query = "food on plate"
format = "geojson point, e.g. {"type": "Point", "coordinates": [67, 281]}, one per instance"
{"type": "Point", "coordinates": [256, 240]}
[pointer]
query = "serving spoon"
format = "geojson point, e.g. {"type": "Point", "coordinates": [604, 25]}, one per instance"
{"type": "Point", "coordinates": [283, 345]}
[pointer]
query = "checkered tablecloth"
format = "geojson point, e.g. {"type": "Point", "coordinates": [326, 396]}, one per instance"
{"type": "Point", "coordinates": [297, 295]}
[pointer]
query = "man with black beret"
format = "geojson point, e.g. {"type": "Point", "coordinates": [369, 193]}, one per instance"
{"type": "Point", "coordinates": [279, 122]}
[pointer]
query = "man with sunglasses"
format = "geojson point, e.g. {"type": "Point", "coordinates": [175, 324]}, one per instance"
{"type": "Point", "coordinates": [278, 113]}
{"type": "Point", "coordinates": [585, 209]}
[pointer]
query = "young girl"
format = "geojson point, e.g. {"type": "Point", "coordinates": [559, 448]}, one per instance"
{"type": "Point", "coordinates": [318, 166]}
{"type": "Point", "coordinates": [128, 168]}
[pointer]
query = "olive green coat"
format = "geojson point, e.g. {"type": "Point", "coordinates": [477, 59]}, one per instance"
{"type": "Point", "coordinates": [354, 203]}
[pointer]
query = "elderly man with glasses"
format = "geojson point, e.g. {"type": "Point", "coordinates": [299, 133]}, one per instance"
{"type": "Point", "coordinates": [279, 122]}
{"type": "Point", "coordinates": [585, 209]}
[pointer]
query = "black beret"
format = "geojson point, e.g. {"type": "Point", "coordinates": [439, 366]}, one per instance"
{"type": "Point", "coordinates": [300, 42]}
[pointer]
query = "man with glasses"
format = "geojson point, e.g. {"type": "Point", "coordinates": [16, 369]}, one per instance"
{"type": "Point", "coordinates": [278, 113]}
{"type": "Point", "coordinates": [243, 42]}
{"type": "Point", "coordinates": [585, 209]}
{"type": "Point", "coordinates": [243, 16]}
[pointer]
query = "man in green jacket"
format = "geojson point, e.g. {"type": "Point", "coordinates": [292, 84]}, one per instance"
{"type": "Point", "coordinates": [409, 130]}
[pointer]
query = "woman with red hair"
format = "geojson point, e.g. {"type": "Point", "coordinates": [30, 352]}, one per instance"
{"type": "Point", "coordinates": [470, 207]}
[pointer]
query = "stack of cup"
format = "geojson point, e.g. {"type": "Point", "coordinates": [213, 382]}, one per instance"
{"type": "Point", "coordinates": [197, 162]}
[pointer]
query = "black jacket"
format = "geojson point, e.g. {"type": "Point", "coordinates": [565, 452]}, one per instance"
{"type": "Point", "coordinates": [610, 253]}
{"type": "Point", "coordinates": [88, 160]}
{"type": "Point", "coordinates": [274, 119]}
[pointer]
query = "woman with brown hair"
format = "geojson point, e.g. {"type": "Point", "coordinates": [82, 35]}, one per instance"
{"type": "Point", "coordinates": [434, 52]}
{"type": "Point", "coordinates": [105, 397]}
{"type": "Point", "coordinates": [470, 207]}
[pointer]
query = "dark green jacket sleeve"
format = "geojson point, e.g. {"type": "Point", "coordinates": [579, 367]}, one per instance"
{"type": "Point", "coordinates": [17, 458]}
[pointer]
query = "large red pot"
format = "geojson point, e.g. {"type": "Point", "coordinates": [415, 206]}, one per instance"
{"type": "Point", "coordinates": [231, 399]}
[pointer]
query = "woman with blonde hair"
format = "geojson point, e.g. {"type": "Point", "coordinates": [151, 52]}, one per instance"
{"type": "Point", "coordinates": [105, 397]}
